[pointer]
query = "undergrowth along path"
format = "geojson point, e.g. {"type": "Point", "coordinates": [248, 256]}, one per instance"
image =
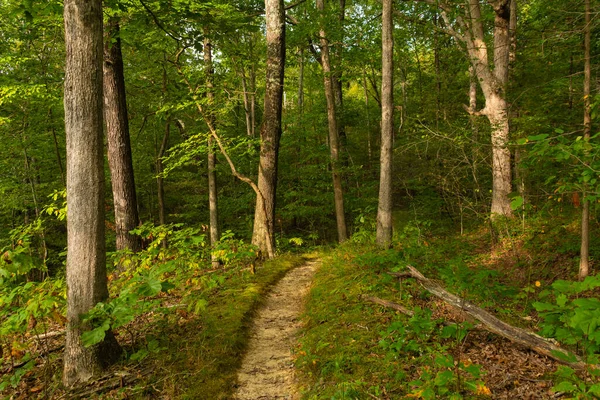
{"type": "Point", "coordinates": [267, 370]}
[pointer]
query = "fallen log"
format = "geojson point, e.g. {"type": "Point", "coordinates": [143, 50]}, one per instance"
{"type": "Point", "coordinates": [489, 322]}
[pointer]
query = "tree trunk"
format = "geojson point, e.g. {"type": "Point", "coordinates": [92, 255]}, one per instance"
{"type": "Point", "coordinates": [270, 132]}
{"type": "Point", "coordinates": [384, 210]}
{"type": "Point", "coordinates": [584, 265]}
{"type": "Point", "coordinates": [212, 157]}
{"type": "Point", "coordinates": [118, 142]}
{"type": "Point", "coordinates": [521, 336]}
{"type": "Point", "coordinates": [513, 32]}
{"type": "Point", "coordinates": [493, 84]}
{"type": "Point", "coordinates": [334, 145]}
{"type": "Point", "coordinates": [301, 81]}
{"type": "Point", "coordinates": [160, 189]}
{"type": "Point", "coordinates": [86, 257]}
{"type": "Point", "coordinates": [246, 100]}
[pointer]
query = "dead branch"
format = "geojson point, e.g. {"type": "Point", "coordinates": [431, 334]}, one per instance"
{"type": "Point", "coordinates": [402, 309]}
{"type": "Point", "coordinates": [48, 335]}
{"type": "Point", "coordinates": [389, 304]}
{"type": "Point", "coordinates": [517, 335]}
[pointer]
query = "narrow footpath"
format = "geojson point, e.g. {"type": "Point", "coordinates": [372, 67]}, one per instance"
{"type": "Point", "coordinates": [267, 371]}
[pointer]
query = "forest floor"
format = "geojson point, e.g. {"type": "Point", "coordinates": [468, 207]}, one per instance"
{"type": "Point", "coordinates": [267, 370]}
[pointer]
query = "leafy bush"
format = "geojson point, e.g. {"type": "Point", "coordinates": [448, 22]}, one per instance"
{"type": "Point", "coordinates": [570, 315]}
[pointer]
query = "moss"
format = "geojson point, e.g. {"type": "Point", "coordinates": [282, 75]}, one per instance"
{"type": "Point", "coordinates": [204, 353]}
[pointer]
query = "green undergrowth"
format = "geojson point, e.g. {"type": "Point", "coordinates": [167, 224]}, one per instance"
{"type": "Point", "coordinates": [202, 354]}
{"type": "Point", "coordinates": [182, 322]}
{"type": "Point", "coordinates": [354, 349]}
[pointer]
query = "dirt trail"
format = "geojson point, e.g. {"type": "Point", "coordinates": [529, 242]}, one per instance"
{"type": "Point", "coordinates": [267, 370]}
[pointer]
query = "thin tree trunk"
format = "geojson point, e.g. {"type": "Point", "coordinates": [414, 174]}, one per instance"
{"type": "Point", "coordinates": [118, 142]}
{"type": "Point", "coordinates": [57, 148]}
{"type": "Point", "coordinates": [212, 157]}
{"type": "Point", "coordinates": [270, 133]}
{"type": "Point", "coordinates": [160, 190]}
{"type": "Point", "coordinates": [384, 210]}
{"type": "Point", "coordinates": [512, 57]}
{"type": "Point", "coordinates": [86, 257]}
{"type": "Point", "coordinates": [301, 81]}
{"type": "Point", "coordinates": [584, 263]}
{"type": "Point", "coordinates": [369, 136]}
{"type": "Point", "coordinates": [438, 78]}
{"type": "Point", "coordinates": [334, 146]}
{"type": "Point", "coordinates": [253, 99]}
{"type": "Point", "coordinates": [337, 87]}
{"type": "Point", "coordinates": [246, 101]}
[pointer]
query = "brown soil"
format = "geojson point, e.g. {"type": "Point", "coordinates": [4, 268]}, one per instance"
{"type": "Point", "coordinates": [267, 370]}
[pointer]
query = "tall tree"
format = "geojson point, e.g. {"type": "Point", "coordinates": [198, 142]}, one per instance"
{"type": "Point", "coordinates": [118, 141]}
{"type": "Point", "coordinates": [270, 132]}
{"type": "Point", "coordinates": [334, 139]}
{"type": "Point", "coordinates": [212, 157]}
{"type": "Point", "coordinates": [86, 257]}
{"type": "Point", "coordinates": [467, 27]}
{"type": "Point", "coordinates": [584, 262]}
{"type": "Point", "coordinates": [384, 210]}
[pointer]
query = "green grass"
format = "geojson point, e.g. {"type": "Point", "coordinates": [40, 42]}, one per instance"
{"type": "Point", "coordinates": [354, 349]}
{"type": "Point", "coordinates": [203, 353]}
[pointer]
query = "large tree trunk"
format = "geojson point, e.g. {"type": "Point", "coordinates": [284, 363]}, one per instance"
{"type": "Point", "coordinates": [584, 263]}
{"type": "Point", "coordinates": [86, 257]}
{"type": "Point", "coordinates": [270, 132]}
{"type": "Point", "coordinates": [384, 210]}
{"type": "Point", "coordinates": [118, 142]}
{"type": "Point", "coordinates": [493, 82]}
{"type": "Point", "coordinates": [334, 142]}
{"type": "Point", "coordinates": [212, 157]}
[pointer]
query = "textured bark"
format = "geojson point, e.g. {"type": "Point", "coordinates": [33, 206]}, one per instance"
{"type": "Point", "coordinates": [86, 258]}
{"type": "Point", "coordinates": [212, 157]}
{"type": "Point", "coordinates": [334, 142]}
{"type": "Point", "coordinates": [493, 83]}
{"type": "Point", "coordinates": [301, 80]}
{"type": "Point", "coordinates": [384, 209]}
{"type": "Point", "coordinates": [270, 132]}
{"type": "Point", "coordinates": [513, 31]}
{"type": "Point", "coordinates": [584, 263]}
{"type": "Point", "coordinates": [118, 142]}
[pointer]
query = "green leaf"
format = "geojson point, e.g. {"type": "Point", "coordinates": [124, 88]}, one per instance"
{"type": "Point", "coordinates": [443, 378]}
{"type": "Point", "coordinates": [151, 287]}
{"type": "Point", "coordinates": [539, 137]}
{"type": "Point", "coordinates": [516, 203]}
{"type": "Point", "coordinates": [565, 386]}
{"type": "Point", "coordinates": [96, 335]}
{"type": "Point", "coordinates": [446, 361]}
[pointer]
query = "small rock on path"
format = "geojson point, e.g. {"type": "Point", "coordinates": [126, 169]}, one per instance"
{"type": "Point", "coordinates": [267, 371]}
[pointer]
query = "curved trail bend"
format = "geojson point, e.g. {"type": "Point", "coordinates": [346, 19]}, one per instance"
{"type": "Point", "coordinates": [267, 371]}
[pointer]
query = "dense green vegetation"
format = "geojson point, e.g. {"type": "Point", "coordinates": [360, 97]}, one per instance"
{"type": "Point", "coordinates": [180, 307]}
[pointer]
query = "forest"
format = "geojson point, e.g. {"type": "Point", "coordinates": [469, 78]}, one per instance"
{"type": "Point", "coordinates": [299, 199]}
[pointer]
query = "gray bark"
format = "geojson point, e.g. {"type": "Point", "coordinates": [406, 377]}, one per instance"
{"type": "Point", "coordinates": [384, 209]}
{"type": "Point", "coordinates": [212, 157]}
{"type": "Point", "coordinates": [86, 258]}
{"type": "Point", "coordinates": [334, 142]}
{"type": "Point", "coordinates": [584, 263]}
{"type": "Point", "coordinates": [270, 132]}
{"type": "Point", "coordinates": [118, 142]}
{"type": "Point", "coordinates": [493, 83]}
